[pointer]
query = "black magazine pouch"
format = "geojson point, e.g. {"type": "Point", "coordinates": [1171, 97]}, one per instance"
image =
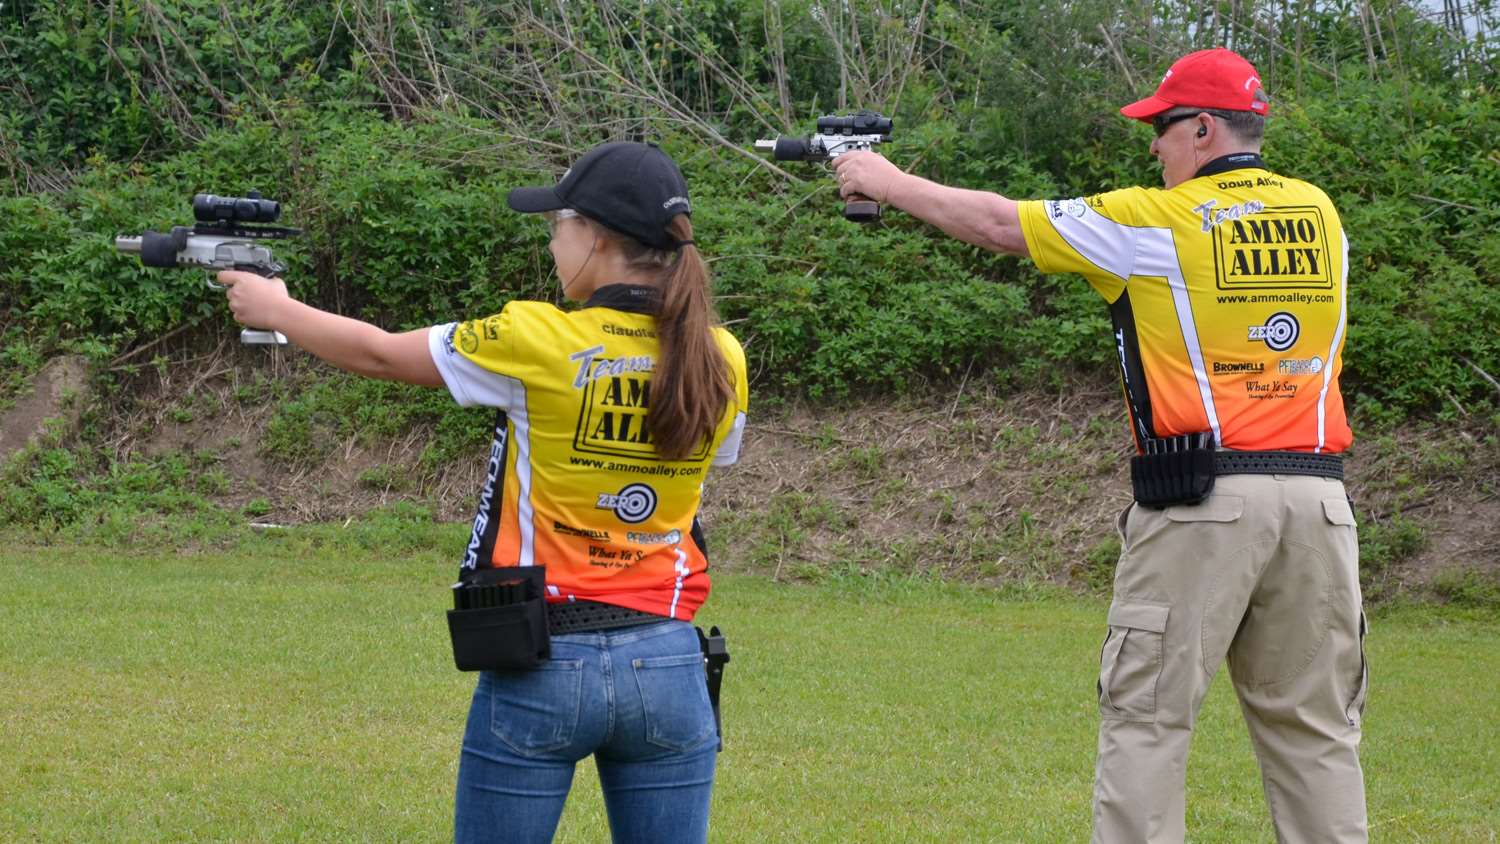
{"type": "Point", "coordinates": [1174, 470]}
{"type": "Point", "coordinates": [499, 619]}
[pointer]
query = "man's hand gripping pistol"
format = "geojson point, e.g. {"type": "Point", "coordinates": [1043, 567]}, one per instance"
{"type": "Point", "coordinates": [228, 235]}
{"type": "Point", "coordinates": [837, 134]}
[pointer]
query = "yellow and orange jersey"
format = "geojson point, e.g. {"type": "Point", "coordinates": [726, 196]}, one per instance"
{"type": "Point", "coordinates": [1229, 301]}
{"type": "Point", "coordinates": [574, 481]}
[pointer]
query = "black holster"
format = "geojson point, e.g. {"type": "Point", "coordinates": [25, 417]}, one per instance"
{"type": "Point", "coordinates": [715, 657]}
{"type": "Point", "coordinates": [1173, 470]}
{"type": "Point", "coordinates": [499, 619]}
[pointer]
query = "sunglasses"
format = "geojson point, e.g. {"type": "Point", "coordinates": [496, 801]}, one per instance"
{"type": "Point", "coordinates": [1162, 122]}
{"type": "Point", "coordinates": [555, 217]}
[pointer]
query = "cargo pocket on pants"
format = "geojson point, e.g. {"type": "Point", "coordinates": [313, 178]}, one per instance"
{"type": "Point", "coordinates": [1130, 662]}
{"type": "Point", "coordinates": [1356, 709]}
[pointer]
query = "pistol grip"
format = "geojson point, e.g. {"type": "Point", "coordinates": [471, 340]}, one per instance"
{"type": "Point", "coordinates": [258, 336]}
{"type": "Point", "coordinates": [861, 209]}
{"type": "Point", "coordinates": [261, 337]}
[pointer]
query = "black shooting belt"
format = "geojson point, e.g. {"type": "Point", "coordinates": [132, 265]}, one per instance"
{"type": "Point", "coordinates": [1179, 470]}
{"type": "Point", "coordinates": [584, 616]}
{"type": "Point", "coordinates": [1279, 463]}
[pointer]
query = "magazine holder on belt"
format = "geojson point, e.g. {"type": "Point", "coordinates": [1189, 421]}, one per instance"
{"type": "Point", "coordinates": [1173, 470]}
{"type": "Point", "coordinates": [499, 619]}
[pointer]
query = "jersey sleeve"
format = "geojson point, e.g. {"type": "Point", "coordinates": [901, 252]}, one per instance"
{"type": "Point", "coordinates": [729, 449]}
{"type": "Point", "coordinates": [1093, 236]}
{"type": "Point", "coordinates": [476, 358]}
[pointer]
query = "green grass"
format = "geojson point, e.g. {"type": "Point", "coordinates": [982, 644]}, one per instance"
{"type": "Point", "coordinates": [293, 691]}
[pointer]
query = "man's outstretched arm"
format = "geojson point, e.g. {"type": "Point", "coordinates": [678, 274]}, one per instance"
{"type": "Point", "coordinates": [982, 218]}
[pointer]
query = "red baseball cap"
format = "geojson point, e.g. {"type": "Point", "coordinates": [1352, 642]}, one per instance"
{"type": "Point", "coordinates": [1218, 79]}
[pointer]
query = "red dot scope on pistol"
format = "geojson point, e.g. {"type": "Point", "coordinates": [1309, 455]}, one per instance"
{"type": "Point", "coordinates": [228, 235]}
{"type": "Point", "coordinates": [837, 134]}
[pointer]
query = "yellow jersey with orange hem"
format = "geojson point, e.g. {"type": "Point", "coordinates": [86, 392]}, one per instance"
{"type": "Point", "coordinates": [574, 482]}
{"type": "Point", "coordinates": [1228, 295]}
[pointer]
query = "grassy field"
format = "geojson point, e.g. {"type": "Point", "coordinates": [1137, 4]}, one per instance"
{"type": "Point", "coordinates": [289, 692]}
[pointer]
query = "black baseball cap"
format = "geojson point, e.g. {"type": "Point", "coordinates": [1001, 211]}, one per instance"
{"type": "Point", "coordinates": [634, 189]}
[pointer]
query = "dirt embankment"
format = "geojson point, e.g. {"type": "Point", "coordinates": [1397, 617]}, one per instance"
{"type": "Point", "coordinates": [995, 487]}
{"type": "Point", "coordinates": [969, 483]}
{"type": "Point", "coordinates": [55, 397]}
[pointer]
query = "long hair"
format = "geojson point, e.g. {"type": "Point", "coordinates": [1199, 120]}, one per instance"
{"type": "Point", "coordinates": [692, 383]}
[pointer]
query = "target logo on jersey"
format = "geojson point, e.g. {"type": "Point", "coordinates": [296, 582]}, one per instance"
{"type": "Point", "coordinates": [1279, 333]}
{"type": "Point", "coordinates": [632, 505]}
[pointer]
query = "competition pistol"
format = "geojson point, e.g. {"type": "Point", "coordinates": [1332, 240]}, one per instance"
{"type": "Point", "coordinates": [836, 135]}
{"type": "Point", "coordinates": [229, 233]}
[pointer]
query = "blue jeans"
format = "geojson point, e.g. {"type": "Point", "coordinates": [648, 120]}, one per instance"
{"type": "Point", "coordinates": [635, 697]}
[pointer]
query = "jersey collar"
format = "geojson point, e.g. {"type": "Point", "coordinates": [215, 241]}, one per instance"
{"type": "Point", "coordinates": [1233, 161]}
{"type": "Point", "coordinates": [632, 298]}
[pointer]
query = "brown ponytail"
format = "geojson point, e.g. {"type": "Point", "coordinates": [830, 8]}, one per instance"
{"type": "Point", "coordinates": [691, 384]}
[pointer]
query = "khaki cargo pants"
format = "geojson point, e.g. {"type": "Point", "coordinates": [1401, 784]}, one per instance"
{"type": "Point", "coordinates": [1264, 573]}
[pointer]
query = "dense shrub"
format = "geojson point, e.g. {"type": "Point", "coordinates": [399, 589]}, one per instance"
{"type": "Point", "coordinates": [122, 79]}
{"type": "Point", "coordinates": [393, 134]}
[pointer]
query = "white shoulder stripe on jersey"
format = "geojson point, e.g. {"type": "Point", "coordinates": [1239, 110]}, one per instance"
{"type": "Point", "coordinates": [1157, 256]}
{"type": "Point", "coordinates": [1124, 251]}
{"type": "Point", "coordinates": [520, 422]}
{"type": "Point", "coordinates": [1333, 348]}
{"type": "Point", "coordinates": [1107, 244]}
{"type": "Point", "coordinates": [471, 384]}
{"type": "Point", "coordinates": [729, 450]}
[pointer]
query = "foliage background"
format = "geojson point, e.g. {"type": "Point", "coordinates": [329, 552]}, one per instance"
{"type": "Point", "coordinates": [392, 131]}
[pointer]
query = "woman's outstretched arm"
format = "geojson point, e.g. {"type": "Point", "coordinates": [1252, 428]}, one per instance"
{"type": "Point", "coordinates": [349, 344]}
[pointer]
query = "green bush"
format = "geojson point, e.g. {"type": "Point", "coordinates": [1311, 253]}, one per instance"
{"type": "Point", "coordinates": [325, 413]}
{"type": "Point", "coordinates": [1468, 588]}
{"type": "Point", "coordinates": [1383, 546]}
{"type": "Point", "coordinates": [59, 488]}
{"type": "Point", "coordinates": [392, 135]}
{"type": "Point", "coordinates": [86, 78]}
